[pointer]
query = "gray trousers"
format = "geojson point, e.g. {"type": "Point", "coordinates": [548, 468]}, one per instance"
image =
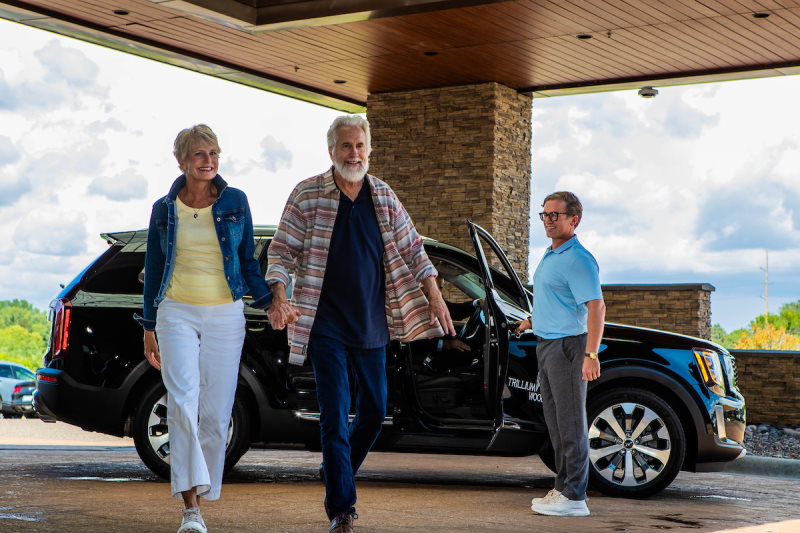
{"type": "Point", "coordinates": [564, 401]}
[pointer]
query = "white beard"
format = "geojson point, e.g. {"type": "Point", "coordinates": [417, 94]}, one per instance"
{"type": "Point", "coordinates": [352, 176]}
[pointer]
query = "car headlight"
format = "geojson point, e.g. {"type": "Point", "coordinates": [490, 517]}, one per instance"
{"type": "Point", "coordinates": [711, 370]}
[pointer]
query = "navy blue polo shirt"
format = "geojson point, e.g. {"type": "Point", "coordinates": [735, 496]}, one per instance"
{"type": "Point", "coordinates": [352, 302]}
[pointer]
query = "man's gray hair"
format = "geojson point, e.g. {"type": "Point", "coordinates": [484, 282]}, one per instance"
{"type": "Point", "coordinates": [349, 120]}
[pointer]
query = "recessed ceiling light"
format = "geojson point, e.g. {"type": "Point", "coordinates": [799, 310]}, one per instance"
{"type": "Point", "coordinates": [760, 15]}
{"type": "Point", "coordinates": [122, 12]}
{"type": "Point", "coordinates": [430, 53]}
{"type": "Point", "coordinates": [340, 81]}
{"type": "Point", "coordinates": [584, 36]}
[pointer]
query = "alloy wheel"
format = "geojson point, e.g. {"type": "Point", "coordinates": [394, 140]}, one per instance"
{"type": "Point", "coordinates": [629, 444]}
{"type": "Point", "coordinates": [158, 430]}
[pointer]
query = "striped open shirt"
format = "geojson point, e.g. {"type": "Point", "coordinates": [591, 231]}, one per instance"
{"type": "Point", "coordinates": [300, 249]}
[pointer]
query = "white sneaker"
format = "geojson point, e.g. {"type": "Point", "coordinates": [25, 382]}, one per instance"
{"type": "Point", "coordinates": [561, 506]}
{"type": "Point", "coordinates": [549, 496]}
{"type": "Point", "coordinates": [192, 521]}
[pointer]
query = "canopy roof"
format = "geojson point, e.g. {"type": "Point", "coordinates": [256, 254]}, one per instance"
{"type": "Point", "coordinates": [336, 53]}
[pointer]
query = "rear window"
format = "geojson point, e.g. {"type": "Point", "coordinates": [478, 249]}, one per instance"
{"type": "Point", "coordinates": [118, 275]}
{"type": "Point", "coordinates": [24, 373]}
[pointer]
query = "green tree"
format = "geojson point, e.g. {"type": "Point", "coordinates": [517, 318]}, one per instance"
{"type": "Point", "coordinates": [25, 315]}
{"type": "Point", "coordinates": [24, 331]}
{"type": "Point", "coordinates": [787, 317]}
{"type": "Point", "coordinates": [21, 346]}
{"type": "Point", "coordinates": [727, 340]}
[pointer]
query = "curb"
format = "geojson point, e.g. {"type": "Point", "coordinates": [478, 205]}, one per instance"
{"type": "Point", "coordinates": [754, 465]}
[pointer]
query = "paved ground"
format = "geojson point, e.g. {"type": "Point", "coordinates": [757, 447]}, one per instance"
{"type": "Point", "coordinates": [58, 478]}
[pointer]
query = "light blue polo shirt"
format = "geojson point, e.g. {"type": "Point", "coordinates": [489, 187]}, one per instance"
{"type": "Point", "coordinates": [564, 281]}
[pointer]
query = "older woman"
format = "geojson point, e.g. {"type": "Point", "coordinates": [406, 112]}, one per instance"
{"type": "Point", "coordinates": [198, 266]}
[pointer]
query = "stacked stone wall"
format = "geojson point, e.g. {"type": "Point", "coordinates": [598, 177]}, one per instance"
{"type": "Point", "coordinates": [458, 153]}
{"type": "Point", "coordinates": [684, 308]}
{"type": "Point", "coordinates": [770, 384]}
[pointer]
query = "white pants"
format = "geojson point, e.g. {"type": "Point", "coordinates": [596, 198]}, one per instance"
{"type": "Point", "coordinates": [200, 350]}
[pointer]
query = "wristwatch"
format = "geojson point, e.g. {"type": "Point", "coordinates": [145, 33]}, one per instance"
{"type": "Point", "coordinates": [591, 355]}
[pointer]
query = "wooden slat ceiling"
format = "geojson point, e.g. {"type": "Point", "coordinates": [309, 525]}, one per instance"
{"type": "Point", "coordinates": [337, 58]}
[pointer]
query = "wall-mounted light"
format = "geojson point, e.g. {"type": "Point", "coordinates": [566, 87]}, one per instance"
{"type": "Point", "coordinates": [648, 92]}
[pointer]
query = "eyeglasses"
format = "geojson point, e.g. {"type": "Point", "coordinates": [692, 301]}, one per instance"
{"type": "Point", "coordinates": [552, 216]}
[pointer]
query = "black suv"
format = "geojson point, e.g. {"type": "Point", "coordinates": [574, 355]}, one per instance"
{"type": "Point", "coordinates": [665, 402]}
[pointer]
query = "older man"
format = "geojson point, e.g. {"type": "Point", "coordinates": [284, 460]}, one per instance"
{"type": "Point", "coordinates": [361, 278]}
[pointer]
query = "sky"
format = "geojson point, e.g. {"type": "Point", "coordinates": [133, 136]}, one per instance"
{"type": "Point", "coordinates": [692, 186]}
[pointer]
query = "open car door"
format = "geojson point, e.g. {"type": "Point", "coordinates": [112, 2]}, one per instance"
{"type": "Point", "coordinates": [510, 435]}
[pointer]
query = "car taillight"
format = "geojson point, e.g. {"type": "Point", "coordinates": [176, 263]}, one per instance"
{"type": "Point", "coordinates": [62, 314]}
{"type": "Point", "coordinates": [17, 389]}
{"type": "Point", "coordinates": [46, 379]}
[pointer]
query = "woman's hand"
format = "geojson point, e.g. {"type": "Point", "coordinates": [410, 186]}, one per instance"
{"type": "Point", "coordinates": [151, 352]}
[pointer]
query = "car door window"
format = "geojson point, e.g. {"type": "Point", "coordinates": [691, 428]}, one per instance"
{"type": "Point", "coordinates": [24, 373]}
{"type": "Point", "coordinates": [5, 372]}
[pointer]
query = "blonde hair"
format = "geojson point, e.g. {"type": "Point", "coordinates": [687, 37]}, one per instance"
{"type": "Point", "coordinates": [187, 138]}
{"type": "Point", "coordinates": [349, 120]}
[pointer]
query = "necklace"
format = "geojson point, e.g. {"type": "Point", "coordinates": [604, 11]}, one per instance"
{"type": "Point", "coordinates": [195, 212]}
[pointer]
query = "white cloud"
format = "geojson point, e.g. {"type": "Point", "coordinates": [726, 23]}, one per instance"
{"type": "Point", "coordinates": [67, 65]}
{"type": "Point", "coordinates": [275, 155]}
{"type": "Point", "coordinates": [124, 186]}
{"type": "Point", "coordinates": [8, 152]}
{"type": "Point", "coordinates": [61, 237]}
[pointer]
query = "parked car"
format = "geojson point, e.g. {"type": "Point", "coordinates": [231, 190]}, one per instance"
{"type": "Point", "coordinates": [665, 402]}
{"type": "Point", "coordinates": [22, 399]}
{"type": "Point", "coordinates": [10, 375]}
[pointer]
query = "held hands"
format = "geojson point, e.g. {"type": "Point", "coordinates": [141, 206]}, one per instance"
{"type": "Point", "coordinates": [591, 369]}
{"type": "Point", "coordinates": [281, 313]}
{"type": "Point", "coordinates": [151, 352]}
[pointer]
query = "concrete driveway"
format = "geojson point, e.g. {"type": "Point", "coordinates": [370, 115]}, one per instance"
{"type": "Point", "coordinates": [58, 478]}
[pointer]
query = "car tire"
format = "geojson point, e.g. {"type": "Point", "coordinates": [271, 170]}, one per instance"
{"type": "Point", "coordinates": [151, 433]}
{"type": "Point", "coordinates": [636, 443]}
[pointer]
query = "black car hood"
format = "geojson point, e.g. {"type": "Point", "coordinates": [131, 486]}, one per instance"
{"type": "Point", "coordinates": [657, 338]}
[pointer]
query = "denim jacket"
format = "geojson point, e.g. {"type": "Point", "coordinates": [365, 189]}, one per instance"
{"type": "Point", "coordinates": [234, 227]}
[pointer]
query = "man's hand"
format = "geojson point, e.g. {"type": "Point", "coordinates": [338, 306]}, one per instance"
{"type": "Point", "coordinates": [591, 369]}
{"type": "Point", "coordinates": [436, 306]}
{"type": "Point", "coordinates": [523, 325]}
{"type": "Point", "coordinates": [151, 352]}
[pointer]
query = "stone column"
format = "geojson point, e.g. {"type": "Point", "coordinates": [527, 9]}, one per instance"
{"type": "Point", "coordinates": [458, 153]}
